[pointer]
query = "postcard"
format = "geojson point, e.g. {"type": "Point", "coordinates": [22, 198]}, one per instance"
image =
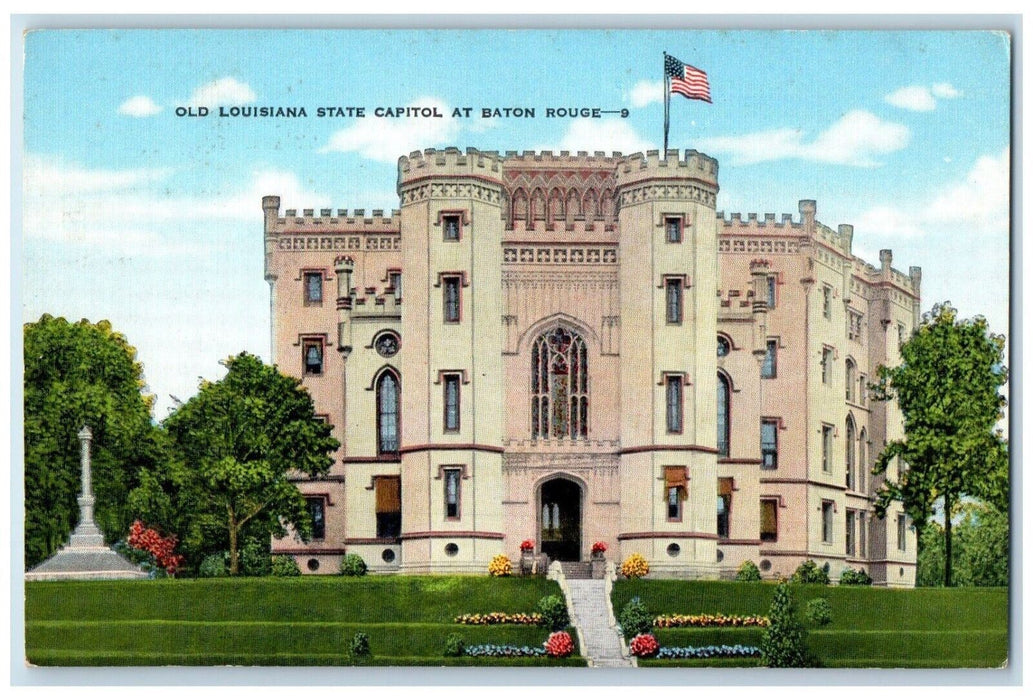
{"type": "Point", "coordinates": [525, 348]}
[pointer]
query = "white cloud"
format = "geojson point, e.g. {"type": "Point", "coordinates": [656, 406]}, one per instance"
{"type": "Point", "coordinates": [139, 106]}
{"type": "Point", "coordinates": [920, 98]}
{"type": "Point", "coordinates": [856, 139]}
{"type": "Point", "coordinates": [646, 92]}
{"type": "Point", "coordinates": [975, 207]}
{"type": "Point", "coordinates": [224, 91]}
{"type": "Point", "coordinates": [601, 135]}
{"type": "Point", "coordinates": [384, 139]}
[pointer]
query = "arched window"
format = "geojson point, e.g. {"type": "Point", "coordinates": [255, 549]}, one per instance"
{"type": "Point", "coordinates": [851, 371]}
{"type": "Point", "coordinates": [387, 413]}
{"type": "Point", "coordinates": [851, 464]}
{"type": "Point", "coordinates": [724, 416]}
{"type": "Point", "coordinates": [862, 459]}
{"type": "Point", "coordinates": [559, 385]}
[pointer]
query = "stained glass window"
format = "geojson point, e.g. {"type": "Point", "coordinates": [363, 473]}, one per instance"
{"type": "Point", "coordinates": [724, 418]}
{"type": "Point", "coordinates": [559, 385]}
{"type": "Point", "coordinates": [387, 413]}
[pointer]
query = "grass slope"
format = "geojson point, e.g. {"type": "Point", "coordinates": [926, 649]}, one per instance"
{"type": "Point", "coordinates": [267, 621]}
{"type": "Point", "coordinates": [871, 627]}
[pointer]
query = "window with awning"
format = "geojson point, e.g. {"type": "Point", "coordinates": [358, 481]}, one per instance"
{"type": "Point", "coordinates": [388, 490]}
{"type": "Point", "coordinates": [768, 520]}
{"type": "Point", "coordinates": [676, 490]}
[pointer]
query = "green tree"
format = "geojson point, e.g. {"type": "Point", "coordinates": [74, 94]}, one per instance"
{"type": "Point", "coordinates": [980, 551]}
{"type": "Point", "coordinates": [75, 374]}
{"type": "Point", "coordinates": [784, 643]}
{"type": "Point", "coordinates": [947, 387]}
{"type": "Point", "coordinates": [234, 446]}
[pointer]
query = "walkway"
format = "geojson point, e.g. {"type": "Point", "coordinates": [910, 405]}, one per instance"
{"type": "Point", "coordinates": [589, 612]}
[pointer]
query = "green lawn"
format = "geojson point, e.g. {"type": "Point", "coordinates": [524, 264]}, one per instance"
{"type": "Point", "coordinates": [268, 621]}
{"type": "Point", "coordinates": [871, 627]}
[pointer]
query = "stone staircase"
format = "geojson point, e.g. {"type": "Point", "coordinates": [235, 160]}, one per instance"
{"type": "Point", "coordinates": [590, 613]}
{"type": "Point", "coordinates": [576, 569]}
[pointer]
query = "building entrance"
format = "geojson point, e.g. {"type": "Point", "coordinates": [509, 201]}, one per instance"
{"type": "Point", "coordinates": [560, 519]}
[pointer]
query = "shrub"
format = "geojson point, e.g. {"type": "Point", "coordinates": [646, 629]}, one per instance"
{"type": "Point", "coordinates": [285, 566]}
{"type": "Point", "coordinates": [849, 577]}
{"type": "Point", "coordinates": [634, 619]}
{"type": "Point", "coordinates": [353, 565]}
{"type": "Point", "coordinates": [213, 566]}
{"type": "Point", "coordinates": [783, 645]}
{"type": "Point", "coordinates": [809, 572]}
{"type": "Point", "coordinates": [635, 566]}
{"type": "Point", "coordinates": [254, 559]}
{"type": "Point", "coordinates": [559, 644]}
{"type": "Point", "coordinates": [818, 611]}
{"type": "Point", "coordinates": [748, 571]}
{"type": "Point", "coordinates": [500, 565]}
{"type": "Point", "coordinates": [360, 650]}
{"type": "Point", "coordinates": [553, 611]}
{"type": "Point", "coordinates": [454, 645]}
{"type": "Point", "coordinates": [161, 548]}
{"type": "Point", "coordinates": [644, 645]}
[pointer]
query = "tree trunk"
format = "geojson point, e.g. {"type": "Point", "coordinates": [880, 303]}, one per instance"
{"type": "Point", "coordinates": [234, 564]}
{"type": "Point", "coordinates": [947, 540]}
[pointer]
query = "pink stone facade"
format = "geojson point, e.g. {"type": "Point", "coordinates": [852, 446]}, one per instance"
{"type": "Point", "coordinates": [528, 349]}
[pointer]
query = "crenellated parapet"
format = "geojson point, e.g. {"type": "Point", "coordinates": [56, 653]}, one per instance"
{"type": "Point", "coordinates": [673, 177]}
{"type": "Point", "coordinates": [327, 220]}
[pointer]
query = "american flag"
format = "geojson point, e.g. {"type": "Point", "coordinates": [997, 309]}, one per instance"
{"type": "Point", "coordinates": [686, 80]}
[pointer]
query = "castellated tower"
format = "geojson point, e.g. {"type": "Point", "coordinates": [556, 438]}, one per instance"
{"type": "Point", "coordinates": [668, 283]}
{"type": "Point", "coordinates": [451, 367]}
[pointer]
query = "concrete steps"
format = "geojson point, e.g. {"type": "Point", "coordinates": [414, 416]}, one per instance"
{"type": "Point", "coordinates": [590, 613]}
{"type": "Point", "coordinates": [576, 569]}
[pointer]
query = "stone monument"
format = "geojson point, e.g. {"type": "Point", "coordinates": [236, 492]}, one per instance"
{"type": "Point", "coordinates": [85, 557]}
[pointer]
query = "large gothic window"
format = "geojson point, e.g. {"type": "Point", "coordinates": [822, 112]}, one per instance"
{"type": "Point", "coordinates": [387, 413]}
{"type": "Point", "coordinates": [559, 385]}
{"type": "Point", "coordinates": [724, 417]}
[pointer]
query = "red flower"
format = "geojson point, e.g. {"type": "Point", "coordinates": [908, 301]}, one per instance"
{"type": "Point", "coordinates": [527, 546]}
{"type": "Point", "coordinates": [644, 645]}
{"type": "Point", "coordinates": [598, 548]}
{"type": "Point", "coordinates": [559, 644]}
{"type": "Point", "coordinates": [161, 548]}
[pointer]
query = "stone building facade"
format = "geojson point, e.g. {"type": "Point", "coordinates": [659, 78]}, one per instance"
{"type": "Point", "coordinates": [573, 348]}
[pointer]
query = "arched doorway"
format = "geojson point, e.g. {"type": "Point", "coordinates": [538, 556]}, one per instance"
{"type": "Point", "coordinates": [560, 519]}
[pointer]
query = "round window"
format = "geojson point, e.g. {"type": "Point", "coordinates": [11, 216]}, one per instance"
{"type": "Point", "coordinates": [720, 556]}
{"type": "Point", "coordinates": [902, 571]}
{"type": "Point", "coordinates": [388, 555]}
{"type": "Point", "coordinates": [765, 565]}
{"type": "Point", "coordinates": [387, 345]}
{"type": "Point", "coordinates": [451, 549]}
{"type": "Point", "coordinates": [723, 346]}
{"type": "Point", "coordinates": [673, 549]}
{"type": "Point", "coordinates": [313, 565]}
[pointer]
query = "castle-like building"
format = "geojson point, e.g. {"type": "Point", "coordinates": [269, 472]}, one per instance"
{"type": "Point", "coordinates": [575, 348]}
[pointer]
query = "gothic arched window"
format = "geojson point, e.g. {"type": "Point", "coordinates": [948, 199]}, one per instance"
{"type": "Point", "coordinates": [851, 463]}
{"type": "Point", "coordinates": [559, 385]}
{"type": "Point", "coordinates": [724, 417]}
{"type": "Point", "coordinates": [387, 413]}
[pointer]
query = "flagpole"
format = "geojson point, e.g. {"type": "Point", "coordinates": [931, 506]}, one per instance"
{"type": "Point", "coordinates": [667, 106]}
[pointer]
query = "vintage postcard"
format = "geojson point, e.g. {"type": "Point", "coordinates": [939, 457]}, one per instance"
{"type": "Point", "coordinates": [548, 348]}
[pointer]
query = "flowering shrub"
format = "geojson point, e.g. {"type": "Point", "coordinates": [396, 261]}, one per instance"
{"type": "Point", "coordinates": [719, 620]}
{"type": "Point", "coordinates": [598, 548]}
{"type": "Point", "coordinates": [707, 652]}
{"type": "Point", "coordinates": [644, 645]}
{"type": "Point", "coordinates": [500, 565]}
{"type": "Point", "coordinates": [161, 548]}
{"type": "Point", "coordinates": [635, 566]}
{"type": "Point", "coordinates": [503, 650]}
{"type": "Point", "coordinates": [559, 644]}
{"type": "Point", "coordinates": [527, 546]}
{"type": "Point", "coordinates": [499, 618]}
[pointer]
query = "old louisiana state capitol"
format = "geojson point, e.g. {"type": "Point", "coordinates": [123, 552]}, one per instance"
{"type": "Point", "coordinates": [573, 348]}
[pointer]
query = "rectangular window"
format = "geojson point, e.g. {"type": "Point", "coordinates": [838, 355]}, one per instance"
{"type": "Point", "coordinates": [901, 335]}
{"type": "Point", "coordinates": [312, 352]}
{"type": "Point", "coordinates": [769, 443]}
{"type": "Point", "coordinates": [452, 484]}
{"type": "Point", "coordinates": [862, 389]}
{"type": "Point", "coordinates": [388, 505]}
{"type": "Point", "coordinates": [855, 325]}
{"type": "Point", "coordinates": [826, 301]}
{"type": "Point", "coordinates": [316, 508]}
{"type": "Point", "coordinates": [451, 402]}
{"type": "Point", "coordinates": [450, 224]}
{"type": "Point", "coordinates": [827, 510]}
{"type": "Point", "coordinates": [724, 506]}
{"type": "Point", "coordinates": [902, 532]}
{"type": "Point", "coordinates": [674, 404]}
{"type": "Point", "coordinates": [768, 520]}
{"type": "Point", "coordinates": [772, 286]}
{"type": "Point", "coordinates": [395, 279]}
{"type": "Point", "coordinates": [451, 286]}
{"type": "Point", "coordinates": [862, 534]}
{"type": "Point", "coordinates": [674, 295]}
{"type": "Point", "coordinates": [851, 518]}
{"type": "Point", "coordinates": [676, 489]}
{"type": "Point", "coordinates": [313, 288]}
{"type": "Point", "coordinates": [673, 227]}
{"type": "Point", "coordinates": [826, 448]}
{"type": "Point", "coordinates": [826, 365]}
{"type": "Point", "coordinates": [769, 370]}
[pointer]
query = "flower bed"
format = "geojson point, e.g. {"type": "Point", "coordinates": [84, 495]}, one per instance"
{"type": "Point", "coordinates": [503, 650]}
{"type": "Point", "coordinates": [704, 620]}
{"type": "Point", "coordinates": [644, 645]}
{"type": "Point", "coordinates": [708, 652]}
{"type": "Point", "coordinates": [499, 618]}
{"type": "Point", "coordinates": [559, 644]}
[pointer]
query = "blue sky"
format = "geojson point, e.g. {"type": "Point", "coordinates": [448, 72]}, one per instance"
{"type": "Point", "coordinates": [154, 221]}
